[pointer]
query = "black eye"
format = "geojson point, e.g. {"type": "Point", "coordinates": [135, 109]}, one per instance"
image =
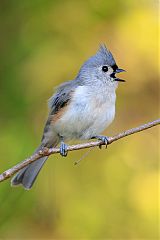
{"type": "Point", "coordinates": [104, 68]}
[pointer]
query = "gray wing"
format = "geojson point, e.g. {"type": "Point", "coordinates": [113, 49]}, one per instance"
{"type": "Point", "coordinates": [63, 95]}
{"type": "Point", "coordinates": [58, 101]}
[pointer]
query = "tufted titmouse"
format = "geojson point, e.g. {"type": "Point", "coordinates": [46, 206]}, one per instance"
{"type": "Point", "coordinates": [80, 109]}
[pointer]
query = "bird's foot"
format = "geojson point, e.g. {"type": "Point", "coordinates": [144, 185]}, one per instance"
{"type": "Point", "coordinates": [104, 140]}
{"type": "Point", "coordinates": [63, 149]}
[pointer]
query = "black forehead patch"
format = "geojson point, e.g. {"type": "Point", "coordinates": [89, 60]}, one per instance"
{"type": "Point", "coordinates": [114, 67]}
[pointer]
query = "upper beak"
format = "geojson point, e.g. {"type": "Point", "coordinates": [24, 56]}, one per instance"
{"type": "Point", "coordinates": [118, 70]}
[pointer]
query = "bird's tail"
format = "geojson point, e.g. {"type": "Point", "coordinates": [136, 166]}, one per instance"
{"type": "Point", "coordinates": [27, 176]}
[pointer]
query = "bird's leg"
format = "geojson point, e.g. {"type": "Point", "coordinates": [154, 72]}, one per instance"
{"type": "Point", "coordinates": [63, 148]}
{"type": "Point", "coordinates": [104, 139]}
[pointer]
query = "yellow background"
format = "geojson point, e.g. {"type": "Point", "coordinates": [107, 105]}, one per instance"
{"type": "Point", "coordinates": [113, 193]}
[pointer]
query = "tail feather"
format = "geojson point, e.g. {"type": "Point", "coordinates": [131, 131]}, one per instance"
{"type": "Point", "coordinates": [28, 175]}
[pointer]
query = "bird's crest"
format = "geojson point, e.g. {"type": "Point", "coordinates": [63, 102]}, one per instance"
{"type": "Point", "coordinates": [106, 55]}
{"type": "Point", "coordinates": [102, 57]}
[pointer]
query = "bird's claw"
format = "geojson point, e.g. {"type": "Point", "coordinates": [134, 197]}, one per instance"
{"type": "Point", "coordinates": [63, 149]}
{"type": "Point", "coordinates": [104, 140]}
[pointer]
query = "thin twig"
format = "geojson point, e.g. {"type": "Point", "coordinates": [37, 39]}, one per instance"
{"type": "Point", "coordinates": [46, 152]}
{"type": "Point", "coordinates": [84, 156]}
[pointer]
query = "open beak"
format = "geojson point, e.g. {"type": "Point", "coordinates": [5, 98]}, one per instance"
{"type": "Point", "coordinates": [119, 70]}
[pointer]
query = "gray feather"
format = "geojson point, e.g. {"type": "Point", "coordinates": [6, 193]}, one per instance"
{"type": "Point", "coordinates": [27, 175]}
{"type": "Point", "coordinates": [62, 96]}
{"type": "Point", "coordinates": [102, 57]}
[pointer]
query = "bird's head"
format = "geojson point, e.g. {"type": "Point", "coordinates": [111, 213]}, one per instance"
{"type": "Point", "coordinates": [101, 67]}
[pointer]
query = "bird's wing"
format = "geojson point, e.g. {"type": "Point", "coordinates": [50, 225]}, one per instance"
{"type": "Point", "coordinates": [57, 104]}
{"type": "Point", "coordinates": [62, 97]}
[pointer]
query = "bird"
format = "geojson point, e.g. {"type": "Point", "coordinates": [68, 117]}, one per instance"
{"type": "Point", "coordinates": [79, 109]}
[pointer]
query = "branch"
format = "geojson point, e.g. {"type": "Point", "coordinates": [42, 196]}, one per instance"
{"type": "Point", "coordinates": [47, 152]}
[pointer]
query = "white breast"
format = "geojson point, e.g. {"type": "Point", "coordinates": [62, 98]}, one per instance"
{"type": "Point", "coordinates": [88, 114]}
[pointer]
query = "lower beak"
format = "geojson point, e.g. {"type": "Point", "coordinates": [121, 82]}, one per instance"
{"type": "Point", "coordinates": [119, 80]}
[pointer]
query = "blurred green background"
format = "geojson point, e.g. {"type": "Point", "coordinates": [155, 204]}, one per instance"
{"type": "Point", "coordinates": [111, 194]}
